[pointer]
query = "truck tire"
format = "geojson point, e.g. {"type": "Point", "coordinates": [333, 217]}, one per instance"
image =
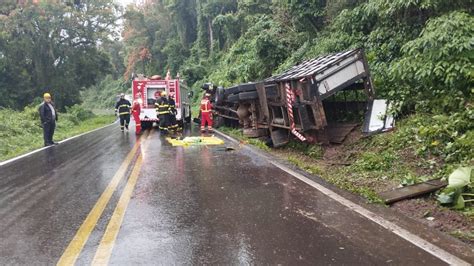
{"type": "Point", "coordinates": [243, 96]}
{"type": "Point", "coordinates": [231, 90]}
{"type": "Point", "coordinates": [146, 125]}
{"type": "Point", "coordinates": [188, 118]}
{"type": "Point", "coordinates": [219, 96]}
{"type": "Point", "coordinates": [234, 98]}
{"type": "Point", "coordinates": [250, 95]}
{"type": "Point", "coordinates": [218, 121]}
{"type": "Point", "coordinates": [247, 87]}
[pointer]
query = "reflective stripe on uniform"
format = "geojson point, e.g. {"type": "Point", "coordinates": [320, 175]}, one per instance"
{"type": "Point", "coordinates": [204, 103]}
{"type": "Point", "coordinates": [124, 105]}
{"type": "Point", "coordinates": [124, 113]}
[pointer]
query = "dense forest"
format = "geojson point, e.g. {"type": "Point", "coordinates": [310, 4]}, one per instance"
{"type": "Point", "coordinates": [420, 51]}
{"type": "Point", "coordinates": [62, 48]}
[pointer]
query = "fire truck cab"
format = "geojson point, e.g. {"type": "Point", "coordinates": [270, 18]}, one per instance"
{"type": "Point", "coordinates": [147, 90]}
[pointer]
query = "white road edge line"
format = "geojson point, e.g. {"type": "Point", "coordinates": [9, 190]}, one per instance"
{"type": "Point", "coordinates": [399, 231]}
{"type": "Point", "coordinates": [44, 148]}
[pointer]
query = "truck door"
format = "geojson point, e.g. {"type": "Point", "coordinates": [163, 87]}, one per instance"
{"type": "Point", "coordinates": [378, 118]}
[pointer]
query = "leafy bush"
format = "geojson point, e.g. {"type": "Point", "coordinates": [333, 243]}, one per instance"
{"type": "Point", "coordinates": [311, 150]}
{"type": "Point", "coordinates": [460, 188]}
{"type": "Point", "coordinates": [263, 47]}
{"type": "Point", "coordinates": [436, 69]}
{"type": "Point", "coordinates": [371, 161]}
{"type": "Point", "coordinates": [103, 95]}
{"type": "Point", "coordinates": [449, 137]}
{"type": "Point", "coordinates": [80, 112]}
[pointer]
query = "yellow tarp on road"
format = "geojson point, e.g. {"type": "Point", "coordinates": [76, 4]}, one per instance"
{"type": "Point", "coordinates": [194, 141]}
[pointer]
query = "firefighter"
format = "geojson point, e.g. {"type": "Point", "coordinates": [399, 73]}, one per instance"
{"type": "Point", "coordinates": [163, 112]}
{"type": "Point", "coordinates": [206, 115]}
{"type": "Point", "coordinates": [136, 116]}
{"type": "Point", "coordinates": [122, 109]}
{"type": "Point", "coordinates": [173, 126]}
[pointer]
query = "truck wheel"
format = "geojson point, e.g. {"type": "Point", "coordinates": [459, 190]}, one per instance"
{"type": "Point", "coordinates": [219, 96]}
{"type": "Point", "coordinates": [234, 98]}
{"type": "Point", "coordinates": [146, 125]}
{"type": "Point", "coordinates": [231, 90]}
{"type": "Point", "coordinates": [218, 121]}
{"type": "Point", "coordinates": [187, 119]}
{"type": "Point", "coordinates": [247, 87]}
{"type": "Point", "coordinates": [250, 95]}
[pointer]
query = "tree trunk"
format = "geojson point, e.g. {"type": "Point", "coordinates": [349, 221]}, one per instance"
{"type": "Point", "coordinates": [211, 35]}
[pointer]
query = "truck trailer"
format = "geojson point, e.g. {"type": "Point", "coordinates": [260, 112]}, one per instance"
{"type": "Point", "coordinates": [318, 101]}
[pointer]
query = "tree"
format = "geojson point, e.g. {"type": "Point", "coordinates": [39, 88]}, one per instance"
{"type": "Point", "coordinates": [54, 47]}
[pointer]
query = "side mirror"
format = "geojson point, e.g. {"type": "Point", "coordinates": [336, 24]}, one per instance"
{"type": "Point", "coordinates": [190, 94]}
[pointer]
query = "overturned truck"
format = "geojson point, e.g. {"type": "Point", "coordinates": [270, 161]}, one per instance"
{"type": "Point", "coordinates": [318, 101]}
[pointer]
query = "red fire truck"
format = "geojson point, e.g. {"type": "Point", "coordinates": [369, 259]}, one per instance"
{"type": "Point", "coordinates": [147, 90]}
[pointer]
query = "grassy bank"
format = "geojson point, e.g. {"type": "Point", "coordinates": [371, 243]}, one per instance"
{"type": "Point", "coordinates": [20, 132]}
{"type": "Point", "coordinates": [421, 148]}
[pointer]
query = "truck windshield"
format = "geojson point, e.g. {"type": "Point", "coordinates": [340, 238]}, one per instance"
{"type": "Point", "coordinates": [152, 94]}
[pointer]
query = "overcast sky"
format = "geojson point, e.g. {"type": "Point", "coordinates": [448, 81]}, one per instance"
{"type": "Point", "coordinates": [124, 2]}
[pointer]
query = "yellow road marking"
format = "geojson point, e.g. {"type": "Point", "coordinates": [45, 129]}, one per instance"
{"type": "Point", "coordinates": [104, 250]}
{"type": "Point", "coordinates": [76, 245]}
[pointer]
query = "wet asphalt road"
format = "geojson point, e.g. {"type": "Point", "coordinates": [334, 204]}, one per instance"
{"type": "Point", "coordinates": [190, 205]}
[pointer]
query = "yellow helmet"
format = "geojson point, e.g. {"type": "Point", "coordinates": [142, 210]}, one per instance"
{"type": "Point", "coordinates": [46, 95]}
{"type": "Point", "coordinates": [163, 93]}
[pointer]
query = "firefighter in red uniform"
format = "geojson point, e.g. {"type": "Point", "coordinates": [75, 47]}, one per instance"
{"type": "Point", "coordinates": [206, 115]}
{"type": "Point", "coordinates": [136, 116]}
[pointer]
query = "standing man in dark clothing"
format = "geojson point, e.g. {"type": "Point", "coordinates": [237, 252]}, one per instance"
{"type": "Point", "coordinates": [163, 112]}
{"type": "Point", "coordinates": [122, 108]}
{"type": "Point", "coordinates": [48, 116]}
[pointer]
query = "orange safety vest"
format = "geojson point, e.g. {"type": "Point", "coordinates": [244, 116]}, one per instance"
{"type": "Point", "coordinates": [205, 106]}
{"type": "Point", "coordinates": [136, 107]}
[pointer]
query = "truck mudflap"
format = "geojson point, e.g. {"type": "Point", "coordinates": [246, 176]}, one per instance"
{"type": "Point", "coordinates": [378, 118]}
{"type": "Point", "coordinates": [279, 136]}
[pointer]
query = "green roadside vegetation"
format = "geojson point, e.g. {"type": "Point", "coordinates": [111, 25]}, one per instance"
{"type": "Point", "coordinates": [103, 96]}
{"type": "Point", "coordinates": [20, 131]}
{"type": "Point", "coordinates": [237, 133]}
